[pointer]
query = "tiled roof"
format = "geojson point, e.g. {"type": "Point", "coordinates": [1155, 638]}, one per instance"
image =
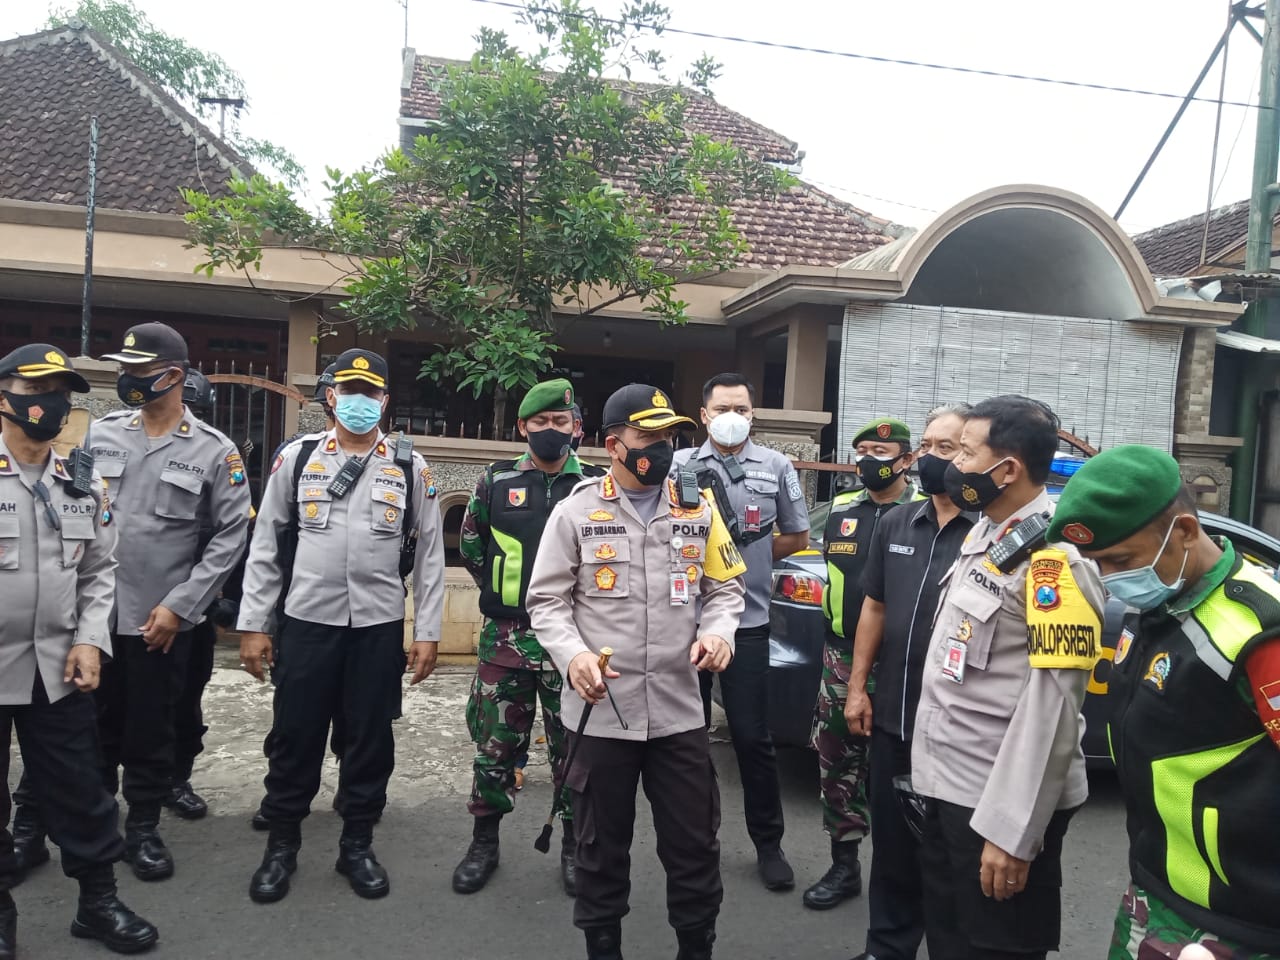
{"type": "Point", "coordinates": [804, 226]}
{"type": "Point", "coordinates": [148, 144]}
{"type": "Point", "coordinates": [1174, 249]}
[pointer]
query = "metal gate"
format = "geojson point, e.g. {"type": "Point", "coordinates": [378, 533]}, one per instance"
{"type": "Point", "coordinates": [249, 407]}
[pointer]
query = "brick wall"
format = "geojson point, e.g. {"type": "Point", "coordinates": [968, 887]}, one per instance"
{"type": "Point", "coordinates": [1195, 382]}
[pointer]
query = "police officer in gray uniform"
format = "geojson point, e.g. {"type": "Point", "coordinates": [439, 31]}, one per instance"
{"type": "Point", "coordinates": [344, 619]}
{"type": "Point", "coordinates": [182, 500]}
{"type": "Point", "coordinates": [57, 576]}
{"type": "Point", "coordinates": [764, 495]}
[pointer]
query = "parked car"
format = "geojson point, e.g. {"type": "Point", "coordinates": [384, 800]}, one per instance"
{"type": "Point", "coordinates": [796, 627]}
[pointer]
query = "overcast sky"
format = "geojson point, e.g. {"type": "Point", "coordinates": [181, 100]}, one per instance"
{"type": "Point", "coordinates": [902, 142]}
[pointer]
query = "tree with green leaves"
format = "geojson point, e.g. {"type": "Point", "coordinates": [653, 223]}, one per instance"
{"type": "Point", "coordinates": [545, 189]}
{"type": "Point", "coordinates": [186, 73]}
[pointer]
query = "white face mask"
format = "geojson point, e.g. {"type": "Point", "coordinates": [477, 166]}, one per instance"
{"type": "Point", "coordinates": [729, 429]}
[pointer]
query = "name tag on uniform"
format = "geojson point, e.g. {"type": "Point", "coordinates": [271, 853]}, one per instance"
{"type": "Point", "coordinates": [953, 660]}
{"type": "Point", "coordinates": [902, 549]}
{"type": "Point", "coordinates": [679, 589]}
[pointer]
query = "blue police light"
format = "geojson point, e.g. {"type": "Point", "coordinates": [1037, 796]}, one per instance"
{"type": "Point", "coordinates": [1065, 465]}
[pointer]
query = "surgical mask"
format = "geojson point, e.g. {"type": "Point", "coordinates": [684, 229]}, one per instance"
{"type": "Point", "coordinates": [1143, 588]}
{"type": "Point", "coordinates": [39, 415]}
{"type": "Point", "coordinates": [358, 413]}
{"type": "Point", "coordinates": [136, 391]}
{"type": "Point", "coordinates": [550, 445]}
{"type": "Point", "coordinates": [933, 471]}
{"type": "Point", "coordinates": [877, 473]}
{"type": "Point", "coordinates": [650, 465]}
{"type": "Point", "coordinates": [972, 491]}
{"type": "Point", "coordinates": [729, 429]}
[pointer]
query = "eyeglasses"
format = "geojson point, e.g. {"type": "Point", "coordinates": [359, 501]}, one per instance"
{"type": "Point", "coordinates": [42, 492]}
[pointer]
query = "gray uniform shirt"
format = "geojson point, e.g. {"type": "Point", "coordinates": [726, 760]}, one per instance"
{"type": "Point", "coordinates": [603, 577]}
{"type": "Point", "coordinates": [347, 566]}
{"type": "Point", "coordinates": [171, 495]}
{"type": "Point", "coordinates": [1005, 741]}
{"type": "Point", "coordinates": [772, 488]}
{"type": "Point", "coordinates": [58, 585]}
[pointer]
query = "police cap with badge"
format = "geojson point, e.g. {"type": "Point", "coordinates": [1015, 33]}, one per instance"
{"type": "Point", "coordinates": [41, 416]}
{"type": "Point", "coordinates": [149, 342]}
{"type": "Point", "coordinates": [358, 365]}
{"type": "Point", "coordinates": [643, 407]}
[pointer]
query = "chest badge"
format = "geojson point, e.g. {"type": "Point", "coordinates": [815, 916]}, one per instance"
{"type": "Point", "coordinates": [965, 633]}
{"type": "Point", "coordinates": [606, 552]}
{"type": "Point", "coordinates": [847, 526]}
{"type": "Point", "coordinates": [1158, 670]}
{"type": "Point", "coordinates": [312, 511]}
{"type": "Point", "coordinates": [691, 552]}
{"type": "Point", "coordinates": [599, 516]}
{"type": "Point", "coordinates": [518, 496]}
{"type": "Point", "coordinates": [606, 579]}
{"type": "Point", "coordinates": [1123, 644]}
{"type": "Point", "coordinates": [691, 572]}
{"type": "Point", "coordinates": [390, 514]}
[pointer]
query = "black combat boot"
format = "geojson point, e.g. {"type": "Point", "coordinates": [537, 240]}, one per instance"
{"type": "Point", "coordinates": [271, 880]}
{"type": "Point", "coordinates": [29, 849]}
{"type": "Point", "coordinates": [185, 802]}
{"type": "Point", "coordinates": [842, 881]}
{"type": "Point", "coordinates": [482, 856]}
{"type": "Point", "coordinates": [102, 916]}
{"type": "Point", "coordinates": [568, 869]}
{"type": "Point", "coordinates": [8, 927]}
{"type": "Point", "coordinates": [695, 943]}
{"type": "Point", "coordinates": [143, 848]}
{"type": "Point", "coordinates": [356, 862]}
{"type": "Point", "coordinates": [604, 942]}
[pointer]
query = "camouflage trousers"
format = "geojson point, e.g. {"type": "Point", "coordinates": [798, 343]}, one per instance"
{"type": "Point", "coordinates": [1147, 929]}
{"type": "Point", "coordinates": [500, 715]}
{"type": "Point", "coordinates": [842, 756]}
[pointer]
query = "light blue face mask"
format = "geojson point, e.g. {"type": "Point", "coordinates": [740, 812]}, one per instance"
{"type": "Point", "coordinates": [1143, 588]}
{"type": "Point", "coordinates": [358, 413]}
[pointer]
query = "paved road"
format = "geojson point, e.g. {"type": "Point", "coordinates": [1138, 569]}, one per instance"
{"type": "Point", "coordinates": [204, 911]}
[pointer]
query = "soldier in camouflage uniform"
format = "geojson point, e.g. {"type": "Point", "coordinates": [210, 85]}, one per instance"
{"type": "Point", "coordinates": [500, 535]}
{"type": "Point", "coordinates": [883, 449]}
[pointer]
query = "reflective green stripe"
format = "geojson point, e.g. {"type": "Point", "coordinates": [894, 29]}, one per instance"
{"type": "Point", "coordinates": [508, 570]}
{"type": "Point", "coordinates": [1230, 624]}
{"type": "Point", "coordinates": [833, 599]}
{"type": "Point", "coordinates": [1174, 781]}
{"type": "Point", "coordinates": [1211, 841]}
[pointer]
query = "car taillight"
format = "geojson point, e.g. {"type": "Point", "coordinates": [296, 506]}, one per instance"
{"type": "Point", "coordinates": [800, 589]}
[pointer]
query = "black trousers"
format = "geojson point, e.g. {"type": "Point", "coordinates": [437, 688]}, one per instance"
{"type": "Point", "coordinates": [188, 721]}
{"type": "Point", "coordinates": [352, 673]}
{"type": "Point", "coordinates": [961, 923]}
{"type": "Point", "coordinates": [137, 708]}
{"type": "Point", "coordinates": [680, 782]}
{"type": "Point", "coordinates": [59, 744]}
{"type": "Point", "coordinates": [895, 895]}
{"type": "Point", "coordinates": [745, 690]}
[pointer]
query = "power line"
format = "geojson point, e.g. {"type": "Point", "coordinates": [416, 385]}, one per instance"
{"type": "Point", "coordinates": [869, 196]}
{"type": "Point", "coordinates": [849, 55]}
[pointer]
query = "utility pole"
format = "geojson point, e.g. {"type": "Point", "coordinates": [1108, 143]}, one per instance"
{"type": "Point", "coordinates": [1262, 206]}
{"type": "Point", "coordinates": [90, 205]}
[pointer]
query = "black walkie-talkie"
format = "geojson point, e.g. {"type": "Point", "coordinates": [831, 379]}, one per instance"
{"type": "Point", "coordinates": [734, 469]}
{"type": "Point", "coordinates": [80, 467]}
{"type": "Point", "coordinates": [688, 489]}
{"type": "Point", "coordinates": [1018, 543]}
{"type": "Point", "coordinates": [341, 485]}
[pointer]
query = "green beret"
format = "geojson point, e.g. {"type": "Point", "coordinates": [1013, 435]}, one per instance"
{"type": "Point", "coordinates": [552, 395]}
{"type": "Point", "coordinates": [1114, 495]}
{"type": "Point", "coordinates": [884, 429]}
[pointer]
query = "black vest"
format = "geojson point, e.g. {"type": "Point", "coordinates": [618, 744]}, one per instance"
{"type": "Point", "coordinates": [1201, 777]}
{"type": "Point", "coordinates": [520, 501]}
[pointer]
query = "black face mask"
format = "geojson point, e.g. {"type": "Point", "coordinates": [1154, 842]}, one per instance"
{"type": "Point", "coordinates": [972, 491]}
{"type": "Point", "coordinates": [650, 465]}
{"type": "Point", "coordinates": [135, 391]}
{"type": "Point", "coordinates": [550, 445]}
{"type": "Point", "coordinates": [40, 415]}
{"type": "Point", "coordinates": [933, 472]}
{"type": "Point", "coordinates": [876, 473]}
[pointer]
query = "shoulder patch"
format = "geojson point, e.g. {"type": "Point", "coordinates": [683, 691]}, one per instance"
{"type": "Point", "coordinates": [235, 469]}
{"type": "Point", "coordinates": [1063, 630]}
{"type": "Point", "coordinates": [106, 512]}
{"type": "Point", "coordinates": [428, 481]}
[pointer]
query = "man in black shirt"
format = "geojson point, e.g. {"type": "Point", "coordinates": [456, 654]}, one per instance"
{"type": "Point", "coordinates": [913, 547]}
